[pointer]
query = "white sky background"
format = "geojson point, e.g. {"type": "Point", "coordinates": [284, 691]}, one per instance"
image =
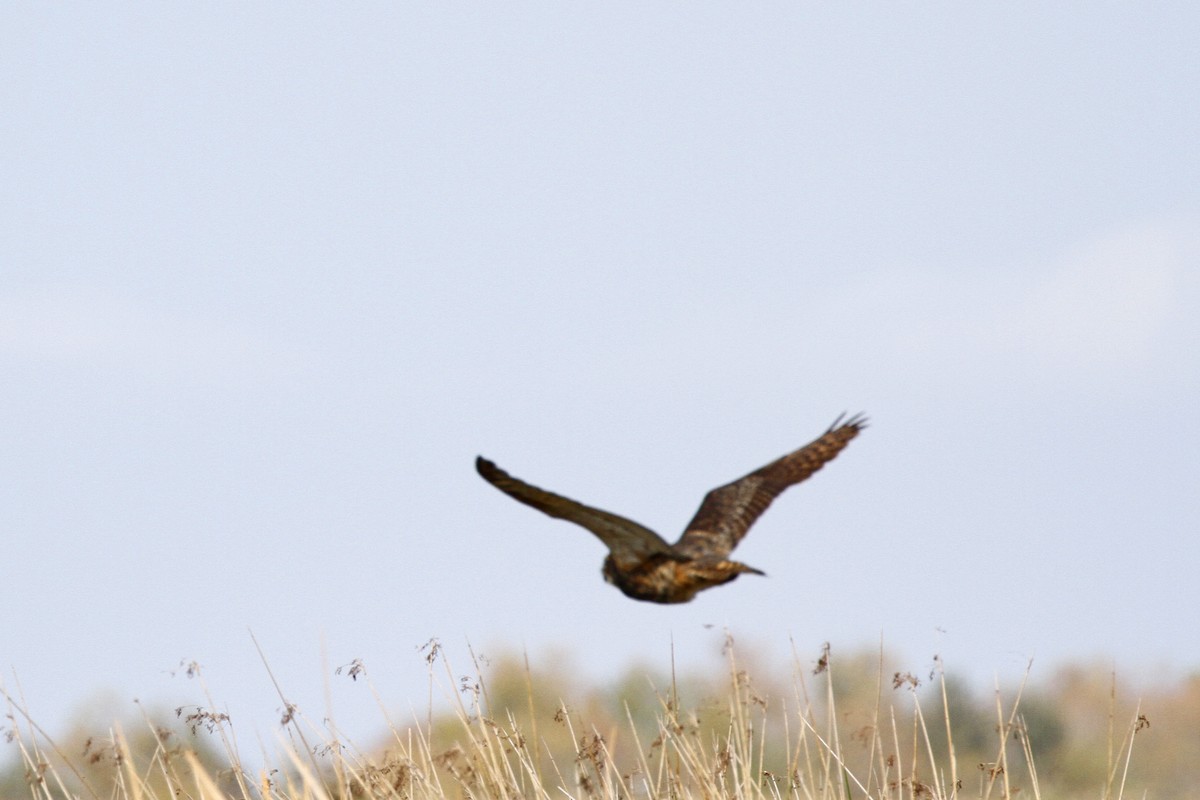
{"type": "Point", "coordinates": [272, 276]}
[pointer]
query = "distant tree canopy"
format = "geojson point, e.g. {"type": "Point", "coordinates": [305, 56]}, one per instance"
{"type": "Point", "coordinates": [882, 719]}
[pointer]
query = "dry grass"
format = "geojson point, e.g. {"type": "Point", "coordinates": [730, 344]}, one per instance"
{"type": "Point", "coordinates": [799, 741]}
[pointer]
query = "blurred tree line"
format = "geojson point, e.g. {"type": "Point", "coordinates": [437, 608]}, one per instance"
{"type": "Point", "coordinates": [1078, 723]}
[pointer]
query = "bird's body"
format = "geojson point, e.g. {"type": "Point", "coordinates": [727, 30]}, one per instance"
{"type": "Point", "coordinates": [666, 579]}
{"type": "Point", "coordinates": [642, 565]}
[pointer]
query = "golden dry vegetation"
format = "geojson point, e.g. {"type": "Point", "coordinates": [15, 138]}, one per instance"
{"type": "Point", "coordinates": [822, 727]}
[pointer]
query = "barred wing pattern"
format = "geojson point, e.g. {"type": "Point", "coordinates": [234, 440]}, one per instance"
{"type": "Point", "coordinates": [728, 511]}
{"type": "Point", "coordinates": [645, 567]}
{"type": "Point", "coordinates": [630, 543]}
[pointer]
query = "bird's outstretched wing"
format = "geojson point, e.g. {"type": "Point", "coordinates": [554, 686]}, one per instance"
{"type": "Point", "coordinates": [728, 511]}
{"type": "Point", "coordinates": [629, 542]}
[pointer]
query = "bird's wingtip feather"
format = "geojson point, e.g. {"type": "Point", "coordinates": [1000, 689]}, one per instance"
{"type": "Point", "coordinates": [858, 422]}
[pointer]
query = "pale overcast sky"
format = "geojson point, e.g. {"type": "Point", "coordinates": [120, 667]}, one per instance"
{"type": "Point", "coordinates": [274, 274]}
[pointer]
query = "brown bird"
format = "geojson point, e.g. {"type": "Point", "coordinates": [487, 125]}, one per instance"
{"type": "Point", "coordinates": [645, 567]}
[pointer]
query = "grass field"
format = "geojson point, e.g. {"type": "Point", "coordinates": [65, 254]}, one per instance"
{"type": "Point", "coordinates": [823, 728]}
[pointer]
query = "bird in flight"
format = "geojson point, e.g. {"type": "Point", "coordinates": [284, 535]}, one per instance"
{"type": "Point", "coordinates": [642, 565]}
